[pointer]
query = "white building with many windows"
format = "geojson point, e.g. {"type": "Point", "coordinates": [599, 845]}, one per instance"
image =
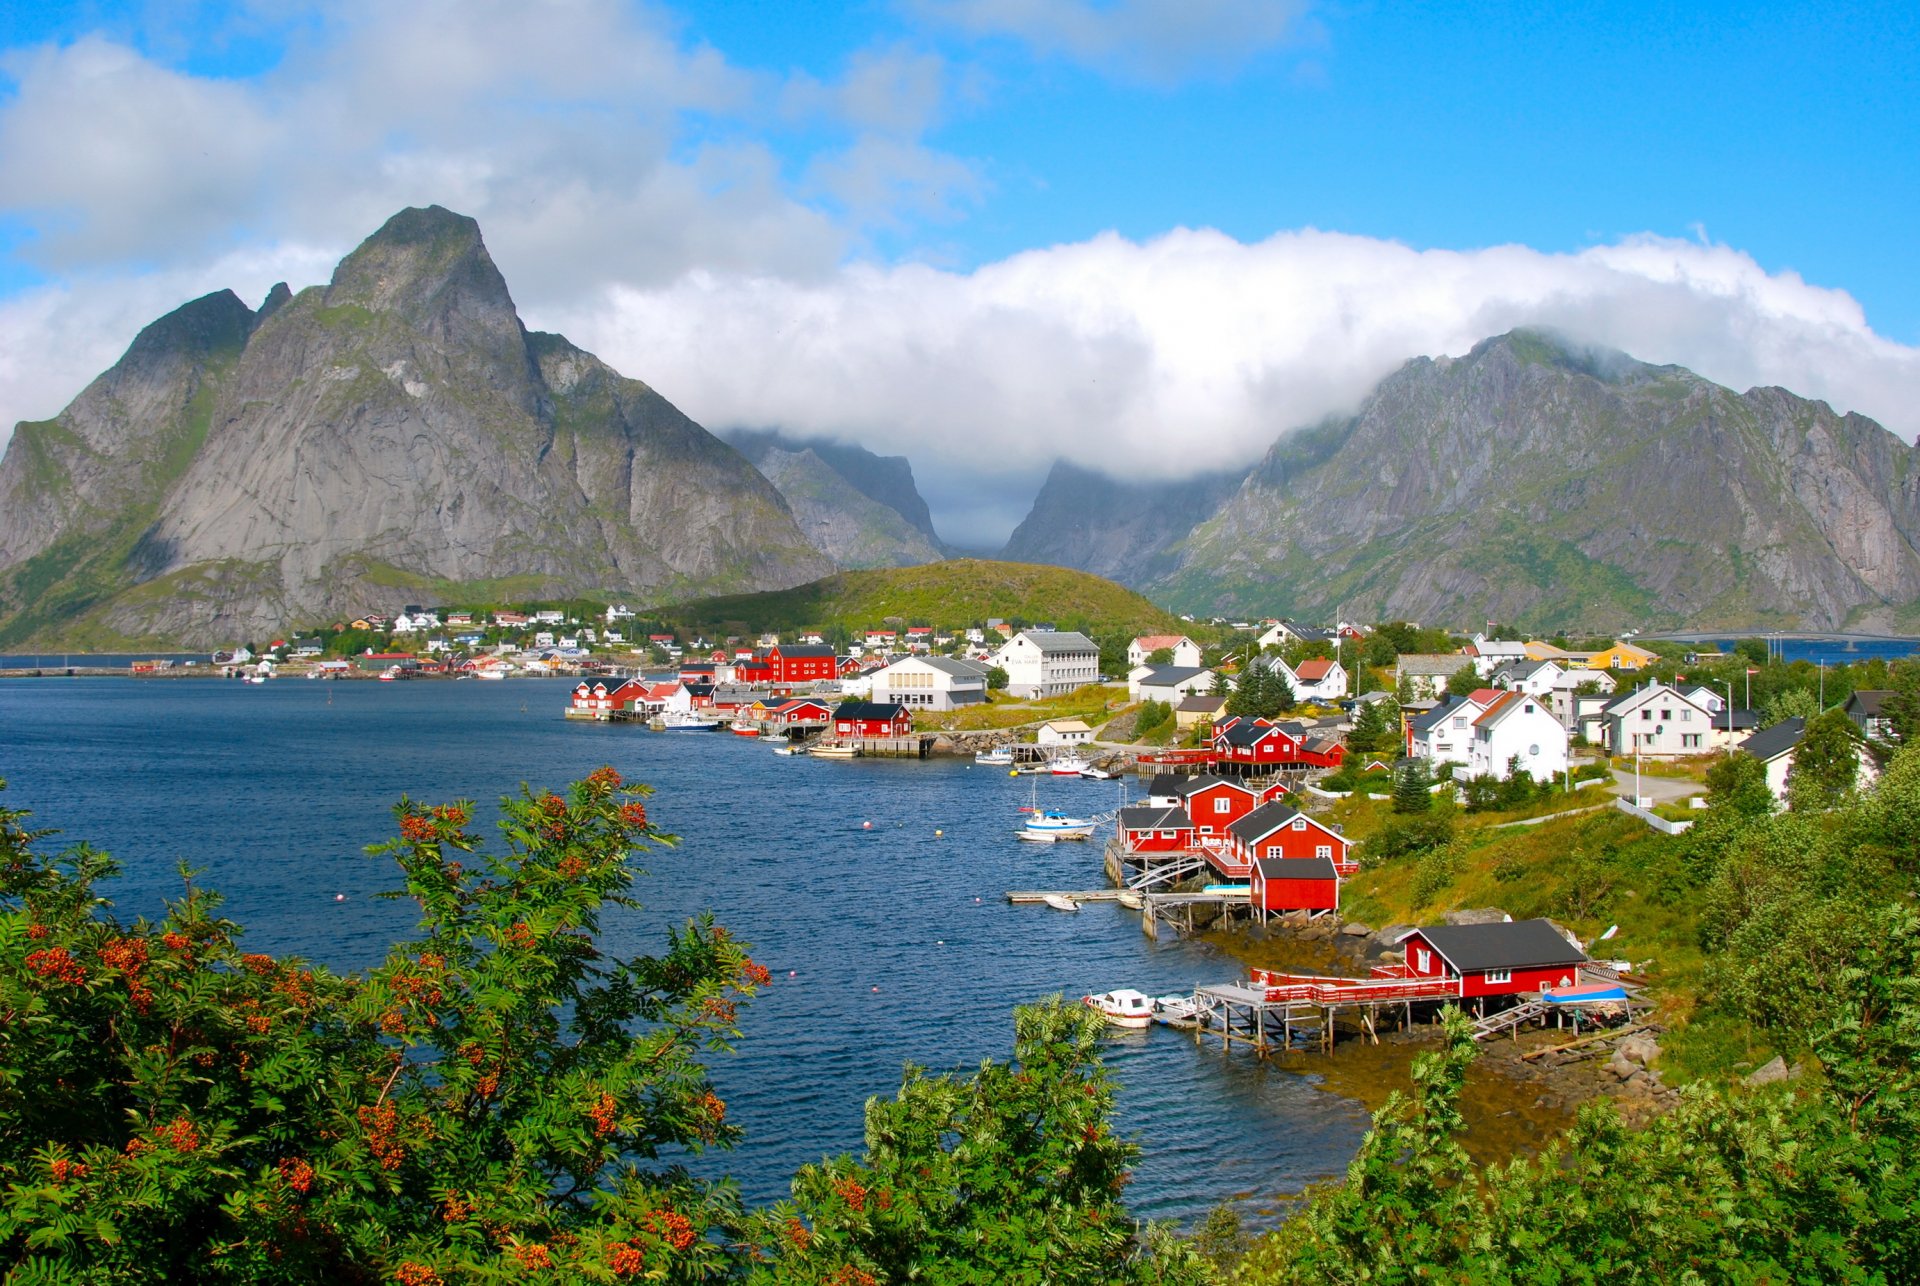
{"type": "Point", "coordinates": [930, 683]}
{"type": "Point", "coordinates": [1044, 663]}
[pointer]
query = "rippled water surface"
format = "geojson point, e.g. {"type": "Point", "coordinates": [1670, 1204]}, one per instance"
{"type": "Point", "coordinates": [899, 942]}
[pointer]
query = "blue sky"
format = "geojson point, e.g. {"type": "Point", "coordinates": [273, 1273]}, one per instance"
{"type": "Point", "coordinates": [986, 197]}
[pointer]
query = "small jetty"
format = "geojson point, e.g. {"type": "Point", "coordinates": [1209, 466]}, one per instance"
{"type": "Point", "coordinates": [1028, 897]}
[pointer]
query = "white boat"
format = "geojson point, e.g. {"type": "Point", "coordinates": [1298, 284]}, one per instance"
{"type": "Point", "coordinates": [1052, 824]}
{"type": "Point", "coordinates": [1175, 1010]}
{"type": "Point", "coordinates": [492, 673]}
{"type": "Point", "coordinates": [687, 721]}
{"type": "Point", "coordinates": [1060, 902]}
{"type": "Point", "coordinates": [1124, 1007]}
{"type": "Point", "coordinates": [789, 750]}
{"type": "Point", "coordinates": [835, 752]}
{"type": "Point", "coordinates": [1097, 774]}
{"type": "Point", "coordinates": [1131, 899]}
{"type": "Point", "coordinates": [1068, 766]}
{"type": "Point", "coordinates": [998, 757]}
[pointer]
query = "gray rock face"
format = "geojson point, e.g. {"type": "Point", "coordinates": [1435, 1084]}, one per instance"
{"type": "Point", "coordinates": [1125, 531]}
{"type": "Point", "coordinates": [1768, 1073]}
{"type": "Point", "coordinates": [860, 509]}
{"type": "Point", "coordinates": [394, 436]}
{"type": "Point", "coordinates": [1543, 485]}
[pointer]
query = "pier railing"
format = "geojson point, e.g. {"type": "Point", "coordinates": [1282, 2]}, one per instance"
{"type": "Point", "coordinates": [1283, 988]}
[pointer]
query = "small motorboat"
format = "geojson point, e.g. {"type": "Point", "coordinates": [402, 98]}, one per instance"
{"type": "Point", "coordinates": [835, 752]}
{"type": "Point", "coordinates": [1123, 1008]}
{"type": "Point", "coordinates": [687, 721]}
{"type": "Point", "coordinates": [998, 757]}
{"type": "Point", "coordinates": [1096, 774]}
{"type": "Point", "coordinates": [1068, 766]}
{"type": "Point", "coordinates": [1131, 899]}
{"type": "Point", "coordinates": [1060, 902]}
{"type": "Point", "coordinates": [789, 750]}
{"type": "Point", "coordinates": [1053, 824]}
{"type": "Point", "coordinates": [741, 728]}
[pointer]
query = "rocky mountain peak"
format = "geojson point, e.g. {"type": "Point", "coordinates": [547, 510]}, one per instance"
{"type": "Point", "coordinates": [425, 265]}
{"type": "Point", "coordinates": [205, 327]}
{"type": "Point", "coordinates": [276, 300]}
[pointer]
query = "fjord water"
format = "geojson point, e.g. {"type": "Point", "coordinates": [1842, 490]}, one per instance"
{"type": "Point", "coordinates": [888, 945]}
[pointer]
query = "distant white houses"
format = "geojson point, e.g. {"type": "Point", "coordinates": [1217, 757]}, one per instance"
{"type": "Point", "coordinates": [1183, 649]}
{"type": "Point", "coordinates": [1490, 654]}
{"type": "Point", "coordinates": [1775, 746]}
{"type": "Point", "coordinates": [1554, 682]}
{"type": "Point", "coordinates": [1281, 633]}
{"type": "Point", "coordinates": [1444, 735]}
{"type": "Point", "coordinates": [1043, 663]}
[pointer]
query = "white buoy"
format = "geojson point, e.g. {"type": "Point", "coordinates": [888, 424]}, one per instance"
{"type": "Point", "coordinates": [866, 826]}
{"type": "Point", "coordinates": [938, 833]}
{"type": "Point", "coordinates": [339, 897]}
{"type": "Point", "coordinates": [876, 988]}
{"type": "Point", "coordinates": [793, 973]}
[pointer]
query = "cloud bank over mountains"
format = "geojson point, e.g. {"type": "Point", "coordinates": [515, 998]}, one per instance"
{"type": "Point", "coordinates": [723, 232]}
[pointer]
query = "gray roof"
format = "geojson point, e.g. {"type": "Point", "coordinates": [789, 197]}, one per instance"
{"type": "Point", "coordinates": [1434, 664]}
{"type": "Point", "coordinates": [1166, 676]}
{"type": "Point", "coordinates": [1869, 702]}
{"type": "Point", "coordinates": [1148, 817]}
{"type": "Point", "coordinates": [1198, 704]}
{"type": "Point", "coordinates": [1517, 670]}
{"type": "Point", "coordinates": [1777, 740]}
{"type": "Point", "coordinates": [1051, 641]}
{"type": "Point", "coordinates": [1504, 944]}
{"type": "Point", "coordinates": [1188, 785]}
{"type": "Point", "coordinates": [950, 666]}
{"type": "Point", "coordinates": [1264, 821]}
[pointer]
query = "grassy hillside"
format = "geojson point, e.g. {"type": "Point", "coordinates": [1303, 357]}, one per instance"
{"type": "Point", "coordinates": [964, 591]}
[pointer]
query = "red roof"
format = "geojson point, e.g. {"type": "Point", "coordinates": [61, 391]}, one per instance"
{"type": "Point", "coordinates": [1485, 696]}
{"type": "Point", "coordinates": [1314, 670]}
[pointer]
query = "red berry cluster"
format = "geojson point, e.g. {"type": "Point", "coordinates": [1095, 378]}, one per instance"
{"type": "Point", "coordinates": [624, 1259]}
{"type": "Point", "coordinates": [297, 1174]}
{"type": "Point", "coordinates": [382, 1124]}
{"type": "Point", "coordinates": [605, 1113]}
{"type": "Point", "coordinates": [671, 1227]}
{"type": "Point", "coordinates": [58, 964]}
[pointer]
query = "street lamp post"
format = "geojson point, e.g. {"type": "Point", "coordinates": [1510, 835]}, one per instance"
{"type": "Point", "coordinates": [1729, 718]}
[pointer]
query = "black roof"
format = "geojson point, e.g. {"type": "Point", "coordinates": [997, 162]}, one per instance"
{"type": "Point", "coordinates": [1868, 702]}
{"type": "Point", "coordinates": [1167, 783]}
{"type": "Point", "coordinates": [1151, 817]}
{"type": "Point", "coordinates": [1505, 944]}
{"type": "Point", "coordinates": [1188, 785]}
{"type": "Point", "coordinates": [887, 711]}
{"type": "Point", "coordinates": [1264, 821]}
{"type": "Point", "coordinates": [791, 651]}
{"type": "Point", "coordinates": [1772, 742]}
{"type": "Point", "coordinates": [1297, 868]}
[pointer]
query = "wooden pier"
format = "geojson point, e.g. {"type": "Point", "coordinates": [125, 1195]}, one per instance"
{"type": "Point", "coordinates": [1267, 1014]}
{"type": "Point", "coordinates": [1026, 897]}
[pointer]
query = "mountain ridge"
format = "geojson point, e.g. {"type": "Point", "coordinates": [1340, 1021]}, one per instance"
{"type": "Point", "coordinates": [350, 445]}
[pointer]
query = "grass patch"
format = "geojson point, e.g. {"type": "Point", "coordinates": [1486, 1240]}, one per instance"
{"type": "Point", "coordinates": [1093, 704]}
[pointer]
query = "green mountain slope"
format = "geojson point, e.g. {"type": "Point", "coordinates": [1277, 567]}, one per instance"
{"type": "Point", "coordinates": [961, 592]}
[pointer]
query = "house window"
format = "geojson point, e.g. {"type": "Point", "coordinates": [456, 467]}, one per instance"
{"type": "Point", "coordinates": [1422, 959]}
{"type": "Point", "coordinates": [1323, 850]}
{"type": "Point", "coordinates": [1647, 714]}
{"type": "Point", "coordinates": [1689, 740]}
{"type": "Point", "coordinates": [1686, 715]}
{"type": "Point", "coordinates": [1499, 975]}
{"type": "Point", "coordinates": [1273, 850]}
{"type": "Point", "coordinates": [1223, 805]}
{"type": "Point", "coordinates": [1299, 823]}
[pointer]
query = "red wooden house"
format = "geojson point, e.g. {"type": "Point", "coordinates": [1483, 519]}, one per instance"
{"type": "Point", "coordinates": [1282, 831]}
{"type": "Point", "coordinates": [800, 710]}
{"type": "Point", "coordinates": [1145, 828]}
{"type": "Point", "coordinates": [1279, 884]}
{"type": "Point", "coordinates": [872, 719]}
{"type": "Point", "coordinates": [799, 663]}
{"type": "Point", "coordinates": [1215, 803]}
{"type": "Point", "coordinates": [1499, 959]}
{"type": "Point", "coordinates": [591, 699]}
{"type": "Point", "coordinates": [1260, 743]}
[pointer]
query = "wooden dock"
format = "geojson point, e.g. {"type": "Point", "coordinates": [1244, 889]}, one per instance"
{"type": "Point", "coordinates": [1026, 897]}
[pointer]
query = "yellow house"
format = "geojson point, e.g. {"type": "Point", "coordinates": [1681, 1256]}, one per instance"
{"type": "Point", "coordinates": [1621, 656]}
{"type": "Point", "coordinates": [1538, 651]}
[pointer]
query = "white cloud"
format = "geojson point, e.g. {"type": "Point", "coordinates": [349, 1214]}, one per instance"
{"type": "Point", "coordinates": [1193, 351]}
{"type": "Point", "coordinates": [591, 139]}
{"type": "Point", "coordinates": [1152, 40]}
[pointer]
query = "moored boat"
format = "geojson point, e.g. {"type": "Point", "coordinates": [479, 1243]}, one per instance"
{"type": "Point", "coordinates": [1052, 824]}
{"type": "Point", "coordinates": [741, 728]}
{"type": "Point", "coordinates": [835, 752]}
{"type": "Point", "coordinates": [1123, 1007]}
{"type": "Point", "coordinates": [1068, 766]}
{"type": "Point", "coordinates": [1175, 1010]}
{"type": "Point", "coordinates": [998, 757]}
{"type": "Point", "coordinates": [687, 721]}
{"type": "Point", "coordinates": [1060, 902]}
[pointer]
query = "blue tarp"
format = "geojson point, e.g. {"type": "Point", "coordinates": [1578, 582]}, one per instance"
{"type": "Point", "coordinates": [1583, 995]}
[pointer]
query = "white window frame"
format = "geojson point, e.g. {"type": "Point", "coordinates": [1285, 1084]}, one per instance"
{"type": "Point", "coordinates": [1499, 975]}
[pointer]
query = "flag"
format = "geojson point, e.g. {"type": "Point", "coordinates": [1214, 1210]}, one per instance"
{"type": "Point", "coordinates": [1751, 670]}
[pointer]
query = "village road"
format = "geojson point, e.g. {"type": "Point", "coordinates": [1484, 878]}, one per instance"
{"type": "Point", "coordinates": [1661, 790]}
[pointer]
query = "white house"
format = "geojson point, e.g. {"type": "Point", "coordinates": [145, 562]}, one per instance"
{"type": "Point", "coordinates": [1444, 735]}
{"type": "Point", "coordinates": [1319, 679]}
{"type": "Point", "coordinates": [1185, 651]}
{"type": "Point", "coordinates": [1490, 654]}
{"type": "Point", "coordinates": [1168, 683]}
{"type": "Point", "coordinates": [1281, 633]}
{"type": "Point", "coordinates": [1063, 732]}
{"type": "Point", "coordinates": [1043, 663]}
{"type": "Point", "coordinates": [1658, 722]}
{"type": "Point", "coordinates": [1554, 682]}
{"type": "Point", "coordinates": [1517, 733]}
{"type": "Point", "coordinates": [1426, 673]}
{"type": "Point", "coordinates": [930, 683]}
{"type": "Point", "coordinates": [1774, 747]}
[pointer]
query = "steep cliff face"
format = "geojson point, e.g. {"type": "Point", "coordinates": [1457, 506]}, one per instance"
{"type": "Point", "coordinates": [861, 509]}
{"type": "Point", "coordinates": [1548, 486]}
{"type": "Point", "coordinates": [394, 435]}
{"type": "Point", "coordinates": [1125, 531]}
